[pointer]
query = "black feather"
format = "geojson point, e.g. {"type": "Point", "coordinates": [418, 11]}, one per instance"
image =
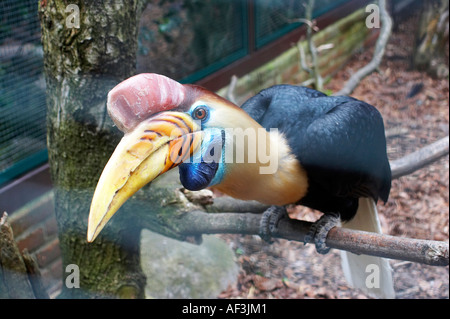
{"type": "Point", "coordinates": [339, 141]}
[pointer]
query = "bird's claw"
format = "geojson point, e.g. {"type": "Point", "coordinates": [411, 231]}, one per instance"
{"type": "Point", "coordinates": [319, 230]}
{"type": "Point", "coordinates": [269, 222]}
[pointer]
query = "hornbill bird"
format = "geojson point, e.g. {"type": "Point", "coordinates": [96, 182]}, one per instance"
{"type": "Point", "coordinates": [286, 145]}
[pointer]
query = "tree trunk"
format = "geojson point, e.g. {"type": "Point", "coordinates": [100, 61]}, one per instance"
{"type": "Point", "coordinates": [14, 280]}
{"type": "Point", "coordinates": [431, 53]}
{"type": "Point", "coordinates": [82, 63]}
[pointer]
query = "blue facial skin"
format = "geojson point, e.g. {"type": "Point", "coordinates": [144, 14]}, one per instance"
{"type": "Point", "coordinates": [205, 167]}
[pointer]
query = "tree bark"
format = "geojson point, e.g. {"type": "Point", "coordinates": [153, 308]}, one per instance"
{"type": "Point", "coordinates": [81, 65]}
{"type": "Point", "coordinates": [432, 38]}
{"type": "Point", "coordinates": [14, 280]}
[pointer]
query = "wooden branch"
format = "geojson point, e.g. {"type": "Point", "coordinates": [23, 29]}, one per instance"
{"type": "Point", "coordinates": [380, 47]}
{"type": "Point", "coordinates": [178, 217]}
{"type": "Point", "coordinates": [230, 90]}
{"type": "Point", "coordinates": [421, 158]}
{"type": "Point", "coordinates": [229, 204]}
{"type": "Point", "coordinates": [423, 251]}
{"type": "Point", "coordinates": [303, 63]}
{"type": "Point", "coordinates": [314, 71]}
{"type": "Point", "coordinates": [396, 131]}
{"type": "Point", "coordinates": [428, 252]}
{"type": "Point", "coordinates": [358, 242]}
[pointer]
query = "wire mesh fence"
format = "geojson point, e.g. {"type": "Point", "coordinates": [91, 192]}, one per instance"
{"type": "Point", "coordinates": [22, 89]}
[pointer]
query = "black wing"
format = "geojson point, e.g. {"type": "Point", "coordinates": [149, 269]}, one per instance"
{"type": "Point", "coordinates": [339, 141]}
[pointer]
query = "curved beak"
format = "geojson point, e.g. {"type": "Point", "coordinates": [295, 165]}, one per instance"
{"type": "Point", "coordinates": [155, 146]}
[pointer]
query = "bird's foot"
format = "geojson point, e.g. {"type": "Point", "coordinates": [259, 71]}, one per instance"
{"type": "Point", "coordinates": [319, 231]}
{"type": "Point", "coordinates": [269, 222]}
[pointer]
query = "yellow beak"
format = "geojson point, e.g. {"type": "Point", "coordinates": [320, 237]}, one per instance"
{"type": "Point", "coordinates": [155, 146]}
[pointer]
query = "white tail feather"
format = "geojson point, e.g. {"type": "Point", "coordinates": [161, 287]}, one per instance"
{"type": "Point", "coordinates": [371, 274]}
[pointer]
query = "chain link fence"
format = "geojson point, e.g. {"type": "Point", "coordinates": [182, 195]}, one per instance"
{"type": "Point", "coordinates": [22, 90]}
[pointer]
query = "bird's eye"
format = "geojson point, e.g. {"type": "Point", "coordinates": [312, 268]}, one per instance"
{"type": "Point", "coordinates": [201, 113]}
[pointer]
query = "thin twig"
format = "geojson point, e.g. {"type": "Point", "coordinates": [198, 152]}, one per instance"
{"type": "Point", "coordinates": [318, 80]}
{"type": "Point", "coordinates": [396, 131]}
{"type": "Point", "coordinates": [421, 158]}
{"type": "Point", "coordinates": [231, 88]}
{"type": "Point", "coordinates": [303, 63]}
{"type": "Point", "coordinates": [380, 47]}
{"type": "Point", "coordinates": [307, 21]}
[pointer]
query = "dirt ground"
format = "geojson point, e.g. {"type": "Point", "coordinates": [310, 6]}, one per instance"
{"type": "Point", "coordinates": [418, 206]}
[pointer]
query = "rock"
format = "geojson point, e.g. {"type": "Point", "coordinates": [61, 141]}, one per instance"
{"type": "Point", "coordinates": [177, 269]}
